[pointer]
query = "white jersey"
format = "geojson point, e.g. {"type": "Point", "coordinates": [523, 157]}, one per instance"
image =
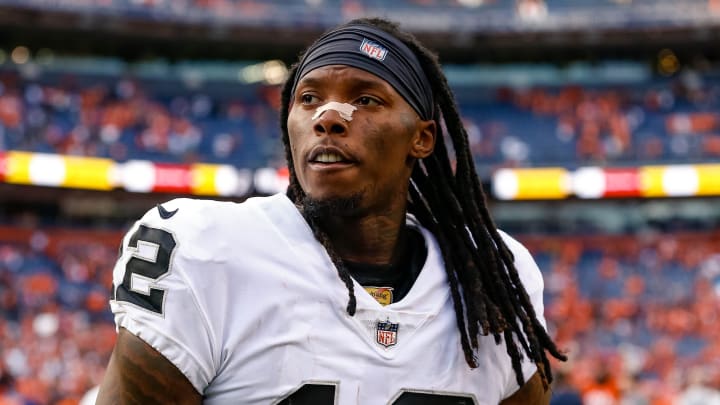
{"type": "Point", "coordinates": [248, 305]}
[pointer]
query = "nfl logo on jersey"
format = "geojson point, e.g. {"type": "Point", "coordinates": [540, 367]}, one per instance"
{"type": "Point", "coordinates": [373, 49]}
{"type": "Point", "coordinates": [386, 333]}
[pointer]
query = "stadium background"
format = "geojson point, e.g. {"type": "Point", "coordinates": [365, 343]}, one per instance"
{"type": "Point", "coordinates": [594, 124]}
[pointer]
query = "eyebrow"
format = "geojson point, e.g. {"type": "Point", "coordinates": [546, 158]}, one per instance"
{"type": "Point", "coordinates": [362, 84]}
{"type": "Point", "coordinates": [308, 81]}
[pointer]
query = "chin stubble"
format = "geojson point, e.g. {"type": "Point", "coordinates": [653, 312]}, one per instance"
{"type": "Point", "coordinates": [334, 206]}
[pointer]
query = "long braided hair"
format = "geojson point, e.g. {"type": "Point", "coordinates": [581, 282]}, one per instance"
{"type": "Point", "coordinates": [487, 293]}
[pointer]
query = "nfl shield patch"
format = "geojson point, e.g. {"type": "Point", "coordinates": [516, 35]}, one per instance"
{"type": "Point", "coordinates": [373, 49]}
{"type": "Point", "coordinates": [386, 333]}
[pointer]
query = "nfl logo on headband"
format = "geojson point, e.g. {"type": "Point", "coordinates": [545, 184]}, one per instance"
{"type": "Point", "coordinates": [373, 49]}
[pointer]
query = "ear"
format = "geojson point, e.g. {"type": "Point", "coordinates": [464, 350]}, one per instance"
{"type": "Point", "coordinates": [423, 142]}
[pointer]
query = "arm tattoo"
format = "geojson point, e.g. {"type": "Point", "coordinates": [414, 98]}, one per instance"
{"type": "Point", "coordinates": [138, 374]}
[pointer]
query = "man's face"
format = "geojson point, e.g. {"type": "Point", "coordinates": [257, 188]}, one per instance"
{"type": "Point", "coordinates": [368, 158]}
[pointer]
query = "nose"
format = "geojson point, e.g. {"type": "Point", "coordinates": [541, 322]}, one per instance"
{"type": "Point", "coordinates": [330, 123]}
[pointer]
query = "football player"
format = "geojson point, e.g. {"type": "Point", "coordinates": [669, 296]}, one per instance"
{"type": "Point", "coordinates": [378, 278]}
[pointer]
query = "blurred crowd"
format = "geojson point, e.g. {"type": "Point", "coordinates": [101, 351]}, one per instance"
{"type": "Point", "coordinates": [636, 314]}
{"type": "Point", "coordinates": [256, 7]}
{"type": "Point", "coordinates": [667, 120]}
{"type": "Point", "coordinates": [228, 7]}
{"type": "Point", "coordinates": [664, 121]}
{"type": "Point", "coordinates": [56, 333]}
{"type": "Point", "coordinates": [122, 119]}
{"type": "Point", "coordinates": [440, 15]}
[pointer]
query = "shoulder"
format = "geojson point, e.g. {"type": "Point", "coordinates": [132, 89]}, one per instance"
{"type": "Point", "coordinates": [528, 270]}
{"type": "Point", "coordinates": [521, 254]}
{"type": "Point", "coordinates": [187, 232]}
{"type": "Point", "coordinates": [187, 217]}
{"type": "Point", "coordinates": [191, 212]}
{"type": "Point", "coordinates": [532, 280]}
{"type": "Point", "coordinates": [529, 273]}
{"type": "Point", "coordinates": [178, 271]}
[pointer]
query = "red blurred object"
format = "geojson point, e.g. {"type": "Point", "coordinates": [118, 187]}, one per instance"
{"type": "Point", "coordinates": [172, 178]}
{"type": "Point", "coordinates": [622, 182]}
{"type": "Point", "coordinates": [3, 166]}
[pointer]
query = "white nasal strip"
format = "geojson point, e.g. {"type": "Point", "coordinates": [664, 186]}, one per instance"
{"type": "Point", "coordinates": [344, 109]}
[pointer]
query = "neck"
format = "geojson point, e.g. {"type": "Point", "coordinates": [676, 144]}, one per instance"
{"type": "Point", "coordinates": [372, 239]}
{"type": "Point", "coordinates": [372, 235]}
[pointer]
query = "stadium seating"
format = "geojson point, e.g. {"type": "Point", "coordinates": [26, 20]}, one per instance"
{"type": "Point", "coordinates": [56, 333]}
{"type": "Point", "coordinates": [660, 121]}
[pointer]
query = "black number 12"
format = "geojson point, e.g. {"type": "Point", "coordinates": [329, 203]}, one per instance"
{"type": "Point", "coordinates": [150, 268]}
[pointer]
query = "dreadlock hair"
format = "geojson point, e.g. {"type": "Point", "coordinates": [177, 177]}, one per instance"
{"type": "Point", "coordinates": [487, 293]}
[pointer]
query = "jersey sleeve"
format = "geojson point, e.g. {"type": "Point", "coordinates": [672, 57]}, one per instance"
{"type": "Point", "coordinates": [532, 280]}
{"type": "Point", "coordinates": [153, 296]}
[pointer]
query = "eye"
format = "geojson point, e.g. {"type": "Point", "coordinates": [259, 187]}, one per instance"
{"type": "Point", "coordinates": [367, 101]}
{"type": "Point", "coordinates": [308, 99]}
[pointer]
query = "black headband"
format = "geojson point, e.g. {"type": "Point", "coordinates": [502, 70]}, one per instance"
{"type": "Point", "coordinates": [375, 51]}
